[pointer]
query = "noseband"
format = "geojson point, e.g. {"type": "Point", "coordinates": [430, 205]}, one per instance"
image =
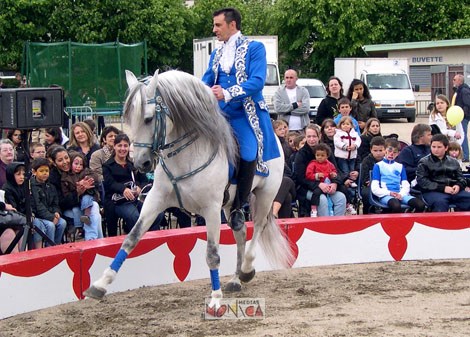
{"type": "Point", "coordinates": [159, 145]}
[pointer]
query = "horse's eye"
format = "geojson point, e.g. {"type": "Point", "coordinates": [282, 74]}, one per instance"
{"type": "Point", "coordinates": [148, 120]}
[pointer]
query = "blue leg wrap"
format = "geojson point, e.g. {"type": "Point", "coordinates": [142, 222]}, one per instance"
{"type": "Point", "coordinates": [215, 279]}
{"type": "Point", "coordinates": [119, 260]}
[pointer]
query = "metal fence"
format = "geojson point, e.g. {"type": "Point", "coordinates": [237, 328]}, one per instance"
{"type": "Point", "coordinates": [422, 107]}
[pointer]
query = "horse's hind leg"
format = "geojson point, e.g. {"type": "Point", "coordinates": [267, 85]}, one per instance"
{"type": "Point", "coordinates": [147, 216]}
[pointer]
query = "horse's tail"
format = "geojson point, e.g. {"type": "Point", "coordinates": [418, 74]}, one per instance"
{"type": "Point", "coordinates": [275, 243]}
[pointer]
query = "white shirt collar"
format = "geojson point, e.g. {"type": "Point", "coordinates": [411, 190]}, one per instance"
{"type": "Point", "coordinates": [228, 52]}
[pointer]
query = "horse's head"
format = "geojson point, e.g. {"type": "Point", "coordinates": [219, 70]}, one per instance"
{"type": "Point", "coordinates": [143, 119]}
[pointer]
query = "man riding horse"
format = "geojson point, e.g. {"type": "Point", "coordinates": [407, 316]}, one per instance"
{"type": "Point", "coordinates": [236, 75]}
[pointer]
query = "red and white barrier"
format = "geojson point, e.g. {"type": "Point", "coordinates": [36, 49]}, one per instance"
{"type": "Point", "coordinates": [46, 277]}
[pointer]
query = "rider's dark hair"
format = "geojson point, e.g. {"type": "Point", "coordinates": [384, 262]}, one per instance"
{"type": "Point", "coordinates": [231, 14]}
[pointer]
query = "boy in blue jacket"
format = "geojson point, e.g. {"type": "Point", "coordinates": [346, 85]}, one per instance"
{"type": "Point", "coordinates": [389, 181]}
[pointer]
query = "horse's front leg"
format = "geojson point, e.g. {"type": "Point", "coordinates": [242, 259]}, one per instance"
{"type": "Point", "coordinates": [212, 217]}
{"type": "Point", "coordinates": [147, 216]}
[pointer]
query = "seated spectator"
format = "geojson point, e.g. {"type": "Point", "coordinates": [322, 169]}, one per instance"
{"type": "Point", "coordinates": [82, 140]}
{"type": "Point", "coordinates": [389, 181]}
{"type": "Point", "coordinates": [291, 136]}
{"type": "Point", "coordinates": [456, 152]}
{"type": "Point", "coordinates": [328, 130]}
{"type": "Point", "coordinates": [377, 153]}
{"type": "Point", "coordinates": [37, 150]}
{"type": "Point", "coordinates": [16, 137]}
{"type": "Point", "coordinates": [322, 170]}
{"type": "Point", "coordinates": [281, 129]}
{"type": "Point", "coordinates": [11, 223]}
{"type": "Point", "coordinates": [92, 125]}
{"type": "Point", "coordinates": [306, 187]}
{"type": "Point", "coordinates": [99, 157]}
{"type": "Point", "coordinates": [78, 171]}
{"type": "Point", "coordinates": [15, 196]}
{"type": "Point", "coordinates": [282, 205]}
{"type": "Point", "coordinates": [371, 130]}
{"type": "Point", "coordinates": [45, 199]}
{"type": "Point", "coordinates": [7, 155]}
{"type": "Point", "coordinates": [123, 183]}
{"type": "Point", "coordinates": [54, 135]}
{"type": "Point", "coordinates": [70, 202]}
{"type": "Point", "coordinates": [440, 178]}
{"type": "Point", "coordinates": [411, 155]}
{"type": "Point", "coordinates": [299, 142]}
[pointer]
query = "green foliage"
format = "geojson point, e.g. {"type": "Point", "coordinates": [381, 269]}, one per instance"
{"type": "Point", "coordinates": [311, 32]}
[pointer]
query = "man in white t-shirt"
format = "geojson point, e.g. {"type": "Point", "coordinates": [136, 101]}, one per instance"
{"type": "Point", "coordinates": [292, 102]}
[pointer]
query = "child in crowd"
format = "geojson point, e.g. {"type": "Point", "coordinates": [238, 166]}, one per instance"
{"type": "Point", "coordinates": [322, 170]}
{"type": "Point", "coordinates": [456, 152]}
{"type": "Point", "coordinates": [299, 142]}
{"type": "Point", "coordinates": [79, 170]}
{"type": "Point", "coordinates": [45, 199]}
{"type": "Point", "coordinates": [291, 136]}
{"type": "Point", "coordinates": [440, 178]}
{"type": "Point", "coordinates": [281, 128]}
{"type": "Point", "coordinates": [371, 130]}
{"type": "Point", "coordinates": [346, 141]}
{"type": "Point", "coordinates": [377, 153]}
{"type": "Point", "coordinates": [389, 181]}
{"type": "Point", "coordinates": [15, 196]}
{"type": "Point", "coordinates": [37, 150]}
{"type": "Point", "coordinates": [345, 107]}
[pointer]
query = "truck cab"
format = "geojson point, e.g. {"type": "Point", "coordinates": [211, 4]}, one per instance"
{"type": "Point", "coordinates": [391, 93]}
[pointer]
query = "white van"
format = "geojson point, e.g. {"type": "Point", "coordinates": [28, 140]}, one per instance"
{"type": "Point", "coordinates": [317, 92]}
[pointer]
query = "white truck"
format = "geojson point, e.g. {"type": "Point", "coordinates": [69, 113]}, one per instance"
{"type": "Point", "coordinates": [202, 49]}
{"type": "Point", "coordinates": [388, 83]}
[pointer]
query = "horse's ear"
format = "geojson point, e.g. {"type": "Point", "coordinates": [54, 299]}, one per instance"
{"type": "Point", "coordinates": [152, 85]}
{"type": "Point", "coordinates": [131, 79]}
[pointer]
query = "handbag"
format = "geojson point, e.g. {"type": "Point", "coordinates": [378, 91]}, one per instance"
{"type": "Point", "coordinates": [119, 198]}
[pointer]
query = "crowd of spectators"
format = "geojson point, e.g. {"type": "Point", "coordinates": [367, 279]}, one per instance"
{"type": "Point", "coordinates": [85, 185]}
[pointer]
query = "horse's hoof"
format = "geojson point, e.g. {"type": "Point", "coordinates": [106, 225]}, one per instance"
{"type": "Point", "coordinates": [94, 292]}
{"type": "Point", "coordinates": [233, 287]}
{"type": "Point", "coordinates": [247, 277]}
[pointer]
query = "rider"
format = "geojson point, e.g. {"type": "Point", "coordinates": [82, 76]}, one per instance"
{"type": "Point", "coordinates": [239, 92]}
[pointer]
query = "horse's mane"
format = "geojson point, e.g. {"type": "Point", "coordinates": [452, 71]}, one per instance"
{"type": "Point", "coordinates": [192, 107]}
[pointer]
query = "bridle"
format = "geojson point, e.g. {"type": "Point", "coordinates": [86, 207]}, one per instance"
{"type": "Point", "coordinates": [159, 146]}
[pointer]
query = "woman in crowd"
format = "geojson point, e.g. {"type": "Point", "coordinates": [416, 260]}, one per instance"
{"type": "Point", "coordinates": [328, 130]}
{"type": "Point", "coordinates": [371, 130]}
{"type": "Point", "coordinates": [16, 136]}
{"type": "Point", "coordinates": [101, 156]}
{"type": "Point", "coordinates": [328, 107]}
{"type": "Point", "coordinates": [82, 140]}
{"type": "Point", "coordinates": [122, 185]}
{"type": "Point", "coordinates": [305, 186]}
{"type": "Point", "coordinates": [363, 107]}
{"type": "Point", "coordinates": [438, 117]}
{"type": "Point", "coordinates": [52, 136]}
{"type": "Point", "coordinates": [70, 203]}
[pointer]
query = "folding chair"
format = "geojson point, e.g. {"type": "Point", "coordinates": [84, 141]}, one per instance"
{"type": "Point", "coordinates": [379, 206]}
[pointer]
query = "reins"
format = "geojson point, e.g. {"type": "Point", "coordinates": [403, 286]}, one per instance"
{"type": "Point", "coordinates": [159, 145]}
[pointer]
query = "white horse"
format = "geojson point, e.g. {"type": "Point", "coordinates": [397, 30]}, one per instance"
{"type": "Point", "coordinates": [178, 128]}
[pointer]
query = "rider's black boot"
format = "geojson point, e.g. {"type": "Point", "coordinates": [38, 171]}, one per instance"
{"type": "Point", "coordinates": [246, 173]}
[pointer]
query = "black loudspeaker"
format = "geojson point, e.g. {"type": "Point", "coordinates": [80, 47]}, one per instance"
{"type": "Point", "coordinates": [31, 108]}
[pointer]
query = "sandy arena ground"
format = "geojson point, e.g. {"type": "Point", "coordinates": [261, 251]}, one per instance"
{"type": "Point", "coordinates": [424, 298]}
